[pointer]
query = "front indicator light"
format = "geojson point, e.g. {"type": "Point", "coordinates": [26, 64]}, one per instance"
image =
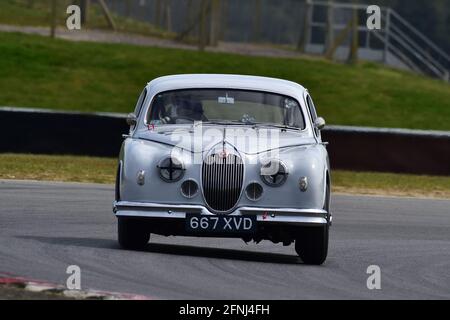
{"type": "Point", "coordinates": [140, 179]}
{"type": "Point", "coordinates": [303, 184]}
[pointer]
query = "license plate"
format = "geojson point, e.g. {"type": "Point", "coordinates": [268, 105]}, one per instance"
{"type": "Point", "coordinates": [220, 224]}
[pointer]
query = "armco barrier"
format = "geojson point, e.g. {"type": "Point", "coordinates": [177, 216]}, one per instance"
{"type": "Point", "coordinates": [389, 150]}
{"type": "Point", "coordinates": [100, 134]}
{"type": "Point", "coordinates": [50, 132]}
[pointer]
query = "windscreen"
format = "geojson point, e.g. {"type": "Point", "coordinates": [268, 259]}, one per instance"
{"type": "Point", "coordinates": [225, 105]}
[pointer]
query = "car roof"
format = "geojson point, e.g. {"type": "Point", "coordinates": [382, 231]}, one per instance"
{"type": "Point", "coordinates": [225, 81]}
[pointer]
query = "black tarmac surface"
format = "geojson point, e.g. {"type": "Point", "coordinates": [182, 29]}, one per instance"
{"type": "Point", "coordinates": [45, 227]}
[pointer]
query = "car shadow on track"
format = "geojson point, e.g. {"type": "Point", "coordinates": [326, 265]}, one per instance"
{"type": "Point", "coordinates": [220, 253]}
{"type": "Point", "coordinates": [174, 249]}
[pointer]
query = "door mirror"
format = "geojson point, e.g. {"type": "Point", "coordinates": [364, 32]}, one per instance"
{"type": "Point", "coordinates": [131, 119]}
{"type": "Point", "coordinates": [319, 123]}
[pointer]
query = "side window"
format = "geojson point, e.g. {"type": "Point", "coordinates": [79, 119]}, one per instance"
{"type": "Point", "coordinates": [313, 113]}
{"type": "Point", "coordinates": [140, 102]}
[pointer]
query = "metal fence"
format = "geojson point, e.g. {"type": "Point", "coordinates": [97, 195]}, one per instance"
{"type": "Point", "coordinates": [268, 21]}
{"type": "Point", "coordinates": [398, 43]}
{"type": "Point", "coordinates": [316, 27]}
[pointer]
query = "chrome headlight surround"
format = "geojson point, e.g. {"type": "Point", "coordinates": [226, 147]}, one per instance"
{"type": "Point", "coordinates": [274, 179]}
{"type": "Point", "coordinates": [171, 169]}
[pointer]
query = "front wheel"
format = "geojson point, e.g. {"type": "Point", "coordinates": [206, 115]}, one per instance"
{"type": "Point", "coordinates": [311, 244]}
{"type": "Point", "coordinates": [132, 234]}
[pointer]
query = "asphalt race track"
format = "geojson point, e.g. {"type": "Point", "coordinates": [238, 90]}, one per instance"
{"type": "Point", "coordinates": [44, 227]}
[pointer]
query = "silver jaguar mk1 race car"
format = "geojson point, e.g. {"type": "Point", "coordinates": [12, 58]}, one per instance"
{"type": "Point", "coordinates": [225, 156]}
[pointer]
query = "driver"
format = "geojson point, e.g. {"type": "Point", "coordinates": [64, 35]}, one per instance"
{"type": "Point", "coordinates": [189, 110]}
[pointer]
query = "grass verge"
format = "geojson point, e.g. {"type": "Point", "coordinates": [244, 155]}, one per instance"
{"type": "Point", "coordinates": [102, 170]}
{"type": "Point", "coordinates": [41, 72]}
{"type": "Point", "coordinates": [57, 168]}
{"type": "Point", "coordinates": [391, 184]}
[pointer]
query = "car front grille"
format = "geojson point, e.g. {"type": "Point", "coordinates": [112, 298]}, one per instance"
{"type": "Point", "coordinates": [222, 179]}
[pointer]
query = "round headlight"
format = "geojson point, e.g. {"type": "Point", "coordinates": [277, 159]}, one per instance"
{"type": "Point", "coordinates": [171, 169]}
{"type": "Point", "coordinates": [274, 173]}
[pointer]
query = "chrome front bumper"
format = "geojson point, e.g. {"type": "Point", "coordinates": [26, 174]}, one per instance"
{"type": "Point", "coordinates": [263, 215]}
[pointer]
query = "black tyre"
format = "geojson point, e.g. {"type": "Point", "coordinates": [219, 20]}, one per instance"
{"type": "Point", "coordinates": [132, 234]}
{"type": "Point", "coordinates": [312, 244]}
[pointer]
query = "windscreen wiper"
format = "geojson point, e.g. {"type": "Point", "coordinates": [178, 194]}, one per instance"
{"type": "Point", "coordinates": [222, 122]}
{"type": "Point", "coordinates": [281, 126]}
